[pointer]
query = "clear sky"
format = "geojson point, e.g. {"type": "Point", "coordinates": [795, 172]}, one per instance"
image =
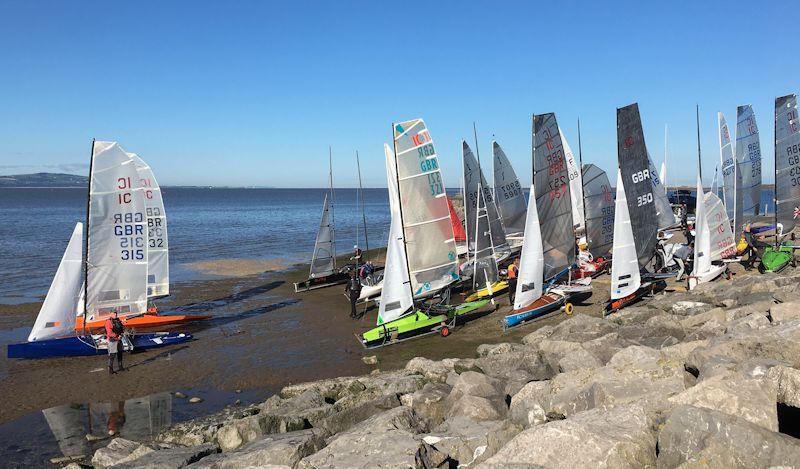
{"type": "Point", "coordinates": [253, 92]}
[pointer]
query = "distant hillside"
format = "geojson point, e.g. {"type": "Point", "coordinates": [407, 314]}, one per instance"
{"type": "Point", "coordinates": [43, 180]}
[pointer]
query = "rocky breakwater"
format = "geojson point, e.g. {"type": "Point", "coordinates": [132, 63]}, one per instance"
{"type": "Point", "coordinates": [705, 378]}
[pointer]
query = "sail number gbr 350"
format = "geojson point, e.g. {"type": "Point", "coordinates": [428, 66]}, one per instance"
{"type": "Point", "coordinates": [641, 176]}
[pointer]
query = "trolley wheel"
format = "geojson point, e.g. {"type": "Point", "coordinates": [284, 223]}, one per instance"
{"type": "Point", "coordinates": [568, 308]}
{"type": "Point", "coordinates": [444, 331]}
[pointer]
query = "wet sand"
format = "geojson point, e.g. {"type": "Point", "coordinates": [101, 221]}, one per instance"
{"type": "Point", "coordinates": [262, 337]}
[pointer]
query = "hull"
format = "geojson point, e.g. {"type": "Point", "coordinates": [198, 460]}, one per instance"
{"type": "Point", "coordinates": [498, 288]}
{"type": "Point", "coordinates": [339, 278]}
{"type": "Point", "coordinates": [418, 324]}
{"type": "Point", "coordinates": [775, 260]}
{"type": "Point", "coordinates": [543, 305]}
{"type": "Point", "coordinates": [144, 321]}
{"type": "Point", "coordinates": [646, 288]}
{"type": "Point", "coordinates": [716, 271]}
{"type": "Point", "coordinates": [87, 345]}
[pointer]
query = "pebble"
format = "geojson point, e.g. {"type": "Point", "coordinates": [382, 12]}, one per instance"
{"type": "Point", "coordinates": [370, 360]}
{"type": "Point", "coordinates": [180, 395]}
{"type": "Point", "coordinates": [195, 400]}
{"type": "Point", "coordinates": [238, 391]}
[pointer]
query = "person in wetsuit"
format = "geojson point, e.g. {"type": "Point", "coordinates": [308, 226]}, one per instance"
{"type": "Point", "coordinates": [114, 331]}
{"type": "Point", "coordinates": [353, 289]}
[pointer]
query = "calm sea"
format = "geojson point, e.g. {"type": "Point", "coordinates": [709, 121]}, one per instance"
{"type": "Point", "coordinates": [204, 224]}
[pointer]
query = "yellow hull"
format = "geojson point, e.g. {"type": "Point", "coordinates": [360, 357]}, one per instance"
{"type": "Point", "coordinates": [497, 288]}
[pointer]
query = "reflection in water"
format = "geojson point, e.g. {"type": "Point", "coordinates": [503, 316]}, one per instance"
{"type": "Point", "coordinates": [139, 419]}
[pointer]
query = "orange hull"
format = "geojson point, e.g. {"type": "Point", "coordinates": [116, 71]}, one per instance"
{"type": "Point", "coordinates": [144, 321]}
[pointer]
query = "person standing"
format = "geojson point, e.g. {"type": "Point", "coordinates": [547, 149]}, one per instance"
{"type": "Point", "coordinates": [353, 289]}
{"type": "Point", "coordinates": [513, 273]}
{"type": "Point", "coordinates": [114, 331]}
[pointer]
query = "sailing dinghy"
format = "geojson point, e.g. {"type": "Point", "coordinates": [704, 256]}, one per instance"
{"type": "Point", "coordinates": [115, 268]}
{"type": "Point", "coordinates": [748, 160]}
{"type": "Point", "coordinates": [787, 183]}
{"type": "Point", "coordinates": [420, 254]}
{"type": "Point", "coordinates": [636, 217]}
{"type": "Point", "coordinates": [157, 259]}
{"type": "Point", "coordinates": [598, 203]}
{"type": "Point", "coordinates": [323, 272]}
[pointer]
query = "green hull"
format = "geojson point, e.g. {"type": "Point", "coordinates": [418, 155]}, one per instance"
{"type": "Point", "coordinates": [418, 324]}
{"type": "Point", "coordinates": [774, 260]}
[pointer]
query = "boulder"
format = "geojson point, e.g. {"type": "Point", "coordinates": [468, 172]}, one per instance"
{"type": "Point", "coordinates": [694, 436]}
{"type": "Point", "coordinates": [504, 365]}
{"type": "Point", "coordinates": [664, 325]}
{"type": "Point", "coordinates": [619, 438]}
{"type": "Point", "coordinates": [698, 320]}
{"type": "Point", "coordinates": [471, 383]}
{"type": "Point", "coordinates": [749, 322]}
{"type": "Point", "coordinates": [581, 328]}
{"type": "Point", "coordinates": [534, 337]}
{"type": "Point", "coordinates": [486, 350]}
{"type": "Point", "coordinates": [430, 369]}
{"type": "Point", "coordinates": [787, 383]}
{"type": "Point", "coordinates": [172, 458]}
{"type": "Point", "coordinates": [477, 409]}
{"type": "Point", "coordinates": [204, 429]}
{"type": "Point", "coordinates": [753, 400]}
{"type": "Point", "coordinates": [528, 406]}
{"type": "Point", "coordinates": [687, 307]}
{"type": "Point", "coordinates": [577, 359]}
{"type": "Point", "coordinates": [389, 439]}
{"type": "Point", "coordinates": [634, 315]}
{"type": "Point", "coordinates": [469, 443]}
{"type": "Point", "coordinates": [603, 348]}
{"type": "Point", "coordinates": [119, 451]}
{"type": "Point", "coordinates": [297, 413]}
{"type": "Point", "coordinates": [284, 449]}
{"type": "Point", "coordinates": [429, 402]}
{"type": "Point", "coordinates": [466, 364]}
{"type": "Point", "coordinates": [784, 312]}
{"type": "Point", "coordinates": [348, 417]}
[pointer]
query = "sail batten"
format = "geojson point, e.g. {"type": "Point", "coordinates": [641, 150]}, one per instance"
{"type": "Point", "coordinates": [787, 158]}
{"type": "Point", "coordinates": [427, 230]}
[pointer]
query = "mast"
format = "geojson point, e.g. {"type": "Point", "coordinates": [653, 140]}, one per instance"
{"type": "Point", "coordinates": [477, 228]}
{"type": "Point", "coordinates": [699, 164]}
{"type": "Point", "coordinates": [86, 240]}
{"type": "Point", "coordinates": [775, 186]}
{"type": "Point", "coordinates": [400, 210]}
{"type": "Point", "coordinates": [583, 192]}
{"type": "Point", "coordinates": [665, 160]}
{"type": "Point", "coordinates": [333, 203]}
{"type": "Point", "coordinates": [363, 212]}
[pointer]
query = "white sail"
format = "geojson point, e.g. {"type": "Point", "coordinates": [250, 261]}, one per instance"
{"type": "Point", "coordinates": [702, 239]}
{"type": "Point", "coordinates": [728, 167]}
{"type": "Point", "coordinates": [625, 277]}
{"type": "Point", "coordinates": [117, 244]}
{"type": "Point", "coordinates": [666, 217]}
{"type": "Point", "coordinates": [787, 158]}
{"type": "Point", "coordinates": [57, 315]}
{"type": "Point", "coordinates": [396, 297]}
{"type": "Point", "coordinates": [719, 227]}
{"type": "Point", "coordinates": [575, 185]}
{"type": "Point", "coordinates": [323, 262]}
{"type": "Point", "coordinates": [157, 241]}
{"type": "Point", "coordinates": [531, 262]}
{"type": "Point", "coordinates": [428, 231]}
{"type": "Point", "coordinates": [662, 175]}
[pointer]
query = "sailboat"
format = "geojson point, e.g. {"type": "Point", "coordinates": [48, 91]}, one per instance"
{"type": "Point", "coordinates": [636, 217]}
{"type": "Point", "coordinates": [787, 183]}
{"type": "Point", "coordinates": [115, 267]}
{"type": "Point", "coordinates": [598, 202]}
{"type": "Point", "coordinates": [421, 256]}
{"type": "Point", "coordinates": [509, 197]}
{"type": "Point", "coordinates": [323, 272]}
{"type": "Point", "coordinates": [484, 231]}
{"type": "Point", "coordinates": [157, 259]}
{"type": "Point", "coordinates": [748, 159]}
{"type": "Point", "coordinates": [703, 270]}
{"type": "Point", "coordinates": [548, 251]}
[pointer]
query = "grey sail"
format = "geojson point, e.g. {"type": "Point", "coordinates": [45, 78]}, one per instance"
{"type": "Point", "coordinates": [666, 217]}
{"type": "Point", "coordinates": [473, 178]}
{"type": "Point", "coordinates": [748, 159]}
{"type": "Point", "coordinates": [599, 203]}
{"type": "Point", "coordinates": [323, 260]}
{"type": "Point", "coordinates": [635, 169]}
{"type": "Point", "coordinates": [508, 194]}
{"type": "Point", "coordinates": [787, 160]}
{"type": "Point", "coordinates": [727, 166]}
{"type": "Point", "coordinates": [551, 184]}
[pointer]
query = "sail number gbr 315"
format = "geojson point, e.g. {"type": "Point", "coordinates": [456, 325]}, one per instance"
{"type": "Point", "coordinates": [129, 226]}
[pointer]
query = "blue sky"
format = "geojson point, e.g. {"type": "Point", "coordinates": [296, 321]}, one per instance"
{"type": "Point", "coordinates": [252, 93]}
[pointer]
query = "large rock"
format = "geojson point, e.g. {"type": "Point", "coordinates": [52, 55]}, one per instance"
{"type": "Point", "coordinates": [172, 458]}
{"type": "Point", "coordinates": [468, 442]}
{"type": "Point", "coordinates": [687, 307]}
{"type": "Point", "coordinates": [471, 383]}
{"type": "Point", "coordinates": [390, 439]}
{"type": "Point", "coordinates": [581, 328]}
{"type": "Point", "coordinates": [619, 438]}
{"type": "Point", "coordinates": [603, 348]}
{"type": "Point", "coordinates": [784, 312]}
{"type": "Point", "coordinates": [749, 322]}
{"type": "Point", "coordinates": [119, 451]}
{"type": "Point", "coordinates": [534, 337]}
{"type": "Point", "coordinates": [528, 406]}
{"type": "Point", "coordinates": [504, 365]}
{"type": "Point", "coordinates": [665, 325]}
{"type": "Point", "coordinates": [204, 429]}
{"type": "Point", "coordinates": [634, 315]}
{"type": "Point", "coordinates": [693, 437]}
{"type": "Point", "coordinates": [578, 359]}
{"type": "Point", "coordinates": [297, 413]}
{"type": "Point", "coordinates": [345, 419]}
{"type": "Point", "coordinates": [697, 320]}
{"type": "Point", "coordinates": [477, 409]}
{"type": "Point", "coordinates": [430, 369]}
{"type": "Point", "coordinates": [429, 402]}
{"type": "Point", "coordinates": [285, 449]}
{"type": "Point", "coordinates": [753, 400]}
{"type": "Point", "coordinates": [787, 383]}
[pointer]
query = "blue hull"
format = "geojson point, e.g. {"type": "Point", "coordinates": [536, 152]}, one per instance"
{"type": "Point", "coordinates": [517, 319]}
{"type": "Point", "coordinates": [85, 346]}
